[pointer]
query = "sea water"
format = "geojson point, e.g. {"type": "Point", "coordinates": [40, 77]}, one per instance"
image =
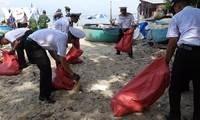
{"type": "Point", "coordinates": [83, 20]}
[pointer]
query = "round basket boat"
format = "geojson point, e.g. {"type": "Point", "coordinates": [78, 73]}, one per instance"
{"type": "Point", "coordinates": [159, 35]}
{"type": "Point", "coordinates": [101, 32]}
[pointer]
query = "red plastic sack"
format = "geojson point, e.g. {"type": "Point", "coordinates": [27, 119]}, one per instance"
{"type": "Point", "coordinates": [10, 65]}
{"type": "Point", "coordinates": [125, 43]}
{"type": "Point", "coordinates": [62, 80]}
{"type": "Point", "coordinates": [143, 90]}
{"type": "Point", "coordinates": [74, 54]}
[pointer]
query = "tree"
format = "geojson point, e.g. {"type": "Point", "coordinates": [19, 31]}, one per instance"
{"type": "Point", "coordinates": [195, 3]}
{"type": "Point", "coordinates": [168, 4]}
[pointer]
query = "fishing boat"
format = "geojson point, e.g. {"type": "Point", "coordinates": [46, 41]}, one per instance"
{"type": "Point", "coordinates": [159, 35]}
{"type": "Point", "coordinates": [3, 29]}
{"type": "Point", "coordinates": [159, 30]}
{"type": "Point", "coordinates": [101, 32]}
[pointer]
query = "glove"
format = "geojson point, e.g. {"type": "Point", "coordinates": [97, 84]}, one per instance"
{"type": "Point", "coordinates": [76, 77]}
{"type": "Point", "coordinates": [11, 52]}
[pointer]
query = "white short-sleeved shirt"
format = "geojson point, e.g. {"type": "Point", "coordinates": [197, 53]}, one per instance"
{"type": "Point", "coordinates": [186, 26]}
{"type": "Point", "coordinates": [15, 34]}
{"type": "Point", "coordinates": [50, 39]}
{"type": "Point", "coordinates": [126, 21]}
{"type": "Point", "coordinates": [24, 19]}
{"type": "Point", "coordinates": [62, 24]}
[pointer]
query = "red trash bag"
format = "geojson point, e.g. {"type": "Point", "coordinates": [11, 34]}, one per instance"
{"type": "Point", "coordinates": [143, 90]}
{"type": "Point", "coordinates": [124, 45]}
{"type": "Point", "coordinates": [62, 80]}
{"type": "Point", "coordinates": [74, 54]}
{"type": "Point", "coordinates": [10, 65]}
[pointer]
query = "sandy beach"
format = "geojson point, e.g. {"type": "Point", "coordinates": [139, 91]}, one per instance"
{"type": "Point", "coordinates": [102, 72]}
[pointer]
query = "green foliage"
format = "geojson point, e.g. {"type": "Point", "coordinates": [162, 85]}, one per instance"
{"type": "Point", "coordinates": [195, 3]}
{"type": "Point", "coordinates": [168, 4]}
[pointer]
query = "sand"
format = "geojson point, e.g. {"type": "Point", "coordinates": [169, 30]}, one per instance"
{"type": "Point", "coordinates": [102, 72]}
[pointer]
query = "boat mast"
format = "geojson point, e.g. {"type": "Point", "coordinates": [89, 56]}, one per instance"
{"type": "Point", "coordinates": [111, 12]}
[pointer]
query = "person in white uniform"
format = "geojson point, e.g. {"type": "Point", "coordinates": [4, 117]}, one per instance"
{"type": "Point", "coordinates": [183, 33]}
{"type": "Point", "coordinates": [51, 40]}
{"type": "Point", "coordinates": [126, 21]}
{"type": "Point", "coordinates": [17, 37]}
{"type": "Point", "coordinates": [64, 23]}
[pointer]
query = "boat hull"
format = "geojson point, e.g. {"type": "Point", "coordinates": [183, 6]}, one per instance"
{"type": "Point", "coordinates": [159, 35]}
{"type": "Point", "coordinates": [95, 34]}
{"type": "Point", "coordinates": [3, 29]}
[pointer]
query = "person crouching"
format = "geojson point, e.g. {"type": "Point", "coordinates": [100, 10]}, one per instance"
{"type": "Point", "coordinates": [51, 40]}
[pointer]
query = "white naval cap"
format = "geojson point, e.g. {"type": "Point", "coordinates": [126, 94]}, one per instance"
{"type": "Point", "coordinates": [76, 32]}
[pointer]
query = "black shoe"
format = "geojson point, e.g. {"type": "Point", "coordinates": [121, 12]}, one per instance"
{"type": "Point", "coordinates": [23, 66]}
{"type": "Point", "coordinates": [47, 99]}
{"type": "Point", "coordinates": [31, 62]}
{"type": "Point", "coordinates": [118, 53]}
{"type": "Point", "coordinates": [130, 55]}
{"type": "Point", "coordinates": [151, 43]}
{"type": "Point", "coordinates": [168, 117]}
{"type": "Point", "coordinates": [53, 89]}
{"type": "Point", "coordinates": [186, 88]}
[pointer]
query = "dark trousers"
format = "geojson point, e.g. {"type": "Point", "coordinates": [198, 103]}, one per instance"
{"type": "Point", "coordinates": [20, 49]}
{"type": "Point", "coordinates": [39, 55]}
{"type": "Point", "coordinates": [186, 67]}
{"type": "Point", "coordinates": [22, 25]}
{"type": "Point", "coordinates": [121, 34]}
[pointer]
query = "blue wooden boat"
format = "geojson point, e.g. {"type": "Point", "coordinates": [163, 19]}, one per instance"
{"type": "Point", "coordinates": [4, 29]}
{"type": "Point", "coordinates": [97, 33]}
{"type": "Point", "coordinates": [159, 35]}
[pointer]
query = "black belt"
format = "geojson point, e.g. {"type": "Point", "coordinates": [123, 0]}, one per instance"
{"type": "Point", "coordinates": [189, 47]}
{"type": "Point", "coordinates": [29, 39]}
